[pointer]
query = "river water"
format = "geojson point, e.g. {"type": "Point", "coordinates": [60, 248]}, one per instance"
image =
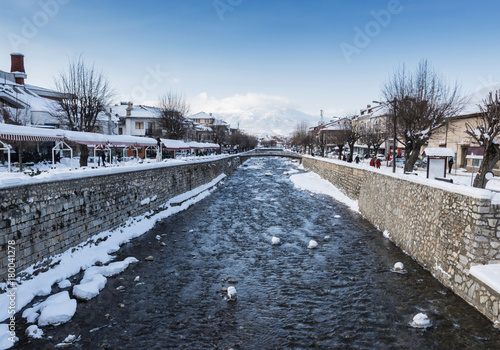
{"type": "Point", "coordinates": [341, 295]}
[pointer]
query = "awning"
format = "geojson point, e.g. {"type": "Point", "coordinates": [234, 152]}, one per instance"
{"type": "Point", "coordinates": [27, 133]}
{"type": "Point", "coordinates": [475, 151]}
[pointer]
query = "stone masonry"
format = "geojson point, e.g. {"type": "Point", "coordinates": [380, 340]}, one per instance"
{"type": "Point", "coordinates": [444, 230]}
{"type": "Point", "coordinates": [45, 219]}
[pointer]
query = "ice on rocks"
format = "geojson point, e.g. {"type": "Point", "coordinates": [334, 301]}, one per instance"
{"type": "Point", "coordinates": [420, 320]}
{"type": "Point", "coordinates": [57, 313]}
{"type": "Point", "coordinates": [109, 270]}
{"type": "Point", "coordinates": [31, 314]}
{"type": "Point", "coordinates": [312, 244]}
{"type": "Point", "coordinates": [275, 240]}
{"type": "Point", "coordinates": [34, 332]}
{"type": "Point", "coordinates": [89, 287]}
{"type": "Point", "coordinates": [231, 293]}
{"type": "Point", "coordinates": [64, 284]}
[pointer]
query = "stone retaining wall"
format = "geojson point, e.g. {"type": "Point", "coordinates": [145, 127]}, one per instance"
{"type": "Point", "coordinates": [48, 218]}
{"type": "Point", "coordinates": [444, 230]}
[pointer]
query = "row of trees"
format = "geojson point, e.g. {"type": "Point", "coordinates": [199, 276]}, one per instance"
{"type": "Point", "coordinates": [422, 101]}
{"type": "Point", "coordinates": [418, 102]}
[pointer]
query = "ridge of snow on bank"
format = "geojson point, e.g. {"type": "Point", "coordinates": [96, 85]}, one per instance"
{"type": "Point", "coordinates": [86, 254]}
{"type": "Point", "coordinates": [312, 182]}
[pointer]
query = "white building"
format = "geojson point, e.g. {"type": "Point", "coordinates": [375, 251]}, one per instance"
{"type": "Point", "coordinates": [131, 120]}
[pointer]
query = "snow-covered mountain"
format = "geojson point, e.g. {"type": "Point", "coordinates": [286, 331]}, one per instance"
{"type": "Point", "coordinates": [257, 114]}
{"type": "Point", "coordinates": [275, 122]}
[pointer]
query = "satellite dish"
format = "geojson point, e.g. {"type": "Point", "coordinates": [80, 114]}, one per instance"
{"type": "Point", "coordinates": [489, 175]}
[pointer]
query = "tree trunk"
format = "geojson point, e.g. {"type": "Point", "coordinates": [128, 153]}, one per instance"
{"type": "Point", "coordinates": [491, 157]}
{"type": "Point", "coordinates": [84, 155]}
{"type": "Point", "coordinates": [411, 159]}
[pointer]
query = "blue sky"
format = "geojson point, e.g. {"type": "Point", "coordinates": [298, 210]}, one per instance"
{"type": "Point", "coordinates": [288, 50]}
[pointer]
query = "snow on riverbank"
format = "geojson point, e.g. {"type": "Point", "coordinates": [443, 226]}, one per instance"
{"type": "Point", "coordinates": [85, 255]}
{"type": "Point", "coordinates": [312, 182]}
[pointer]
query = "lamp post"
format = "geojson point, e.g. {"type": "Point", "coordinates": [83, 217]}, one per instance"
{"type": "Point", "coordinates": [394, 117]}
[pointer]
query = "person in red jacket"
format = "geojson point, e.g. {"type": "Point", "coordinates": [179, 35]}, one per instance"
{"type": "Point", "coordinates": [378, 163]}
{"type": "Point", "coordinates": [372, 162]}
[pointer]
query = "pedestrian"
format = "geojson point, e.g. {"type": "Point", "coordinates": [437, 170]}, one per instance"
{"type": "Point", "coordinates": [356, 159]}
{"type": "Point", "coordinates": [450, 164]}
{"type": "Point", "coordinates": [378, 163]}
{"type": "Point", "coordinates": [372, 162]}
{"type": "Point", "coordinates": [103, 157]}
{"type": "Point", "coordinates": [344, 158]}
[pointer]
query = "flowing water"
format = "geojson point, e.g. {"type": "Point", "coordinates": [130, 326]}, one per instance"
{"type": "Point", "coordinates": [341, 295]}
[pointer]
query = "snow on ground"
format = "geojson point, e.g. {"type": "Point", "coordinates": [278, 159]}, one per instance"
{"type": "Point", "coordinates": [489, 274]}
{"type": "Point", "coordinates": [312, 182]}
{"type": "Point", "coordinates": [6, 339]}
{"type": "Point", "coordinates": [461, 179]}
{"type": "Point", "coordinates": [94, 278]}
{"type": "Point", "coordinates": [59, 308]}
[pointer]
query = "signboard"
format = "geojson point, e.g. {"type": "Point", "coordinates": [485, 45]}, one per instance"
{"type": "Point", "coordinates": [436, 168]}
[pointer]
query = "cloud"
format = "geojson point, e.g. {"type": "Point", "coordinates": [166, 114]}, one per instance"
{"type": "Point", "coordinates": [255, 113]}
{"type": "Point", "coordinates": [238, 103]}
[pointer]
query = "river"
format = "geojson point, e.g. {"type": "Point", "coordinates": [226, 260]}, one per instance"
{"type": "Point", "coordinates": [342, 295]}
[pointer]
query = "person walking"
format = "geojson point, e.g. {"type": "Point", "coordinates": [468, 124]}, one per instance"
{"type": "Point", "coordinates": [378, 163]}
{"type": "Point", "coordinates": [450, 164]}
{"type": "Point", "coordinates": [103, 157]}
{"type": "Point", "coordinates": [356, 159]}
{"type": "Point", "coordinates": [372, 162]}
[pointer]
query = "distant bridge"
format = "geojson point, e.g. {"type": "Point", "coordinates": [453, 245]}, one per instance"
{"type": "Point", "coordinates": [269, 152]}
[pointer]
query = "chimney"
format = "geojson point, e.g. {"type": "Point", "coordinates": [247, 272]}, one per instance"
{"type": "Point", "coordinates": [17, 67]}
{"type": "Point", "coordinates": [129, 109]}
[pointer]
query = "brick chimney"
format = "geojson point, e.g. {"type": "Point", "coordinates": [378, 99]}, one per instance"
{"type": "Point", "coordinates": [17, 67]}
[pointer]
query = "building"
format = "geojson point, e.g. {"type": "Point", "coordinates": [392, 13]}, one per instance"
{"type": "Point", "coordinates": [453, 135]}
{"type": "Point", "coordinates": [26, 104]}
{"type": "Point", "coordinates": [209, 128]}
{"type": "Point", "coordinates": [132, 120]}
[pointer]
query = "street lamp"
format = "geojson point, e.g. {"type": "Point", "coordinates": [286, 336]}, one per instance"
{"type": "Point", "coordinates": [393, 135]}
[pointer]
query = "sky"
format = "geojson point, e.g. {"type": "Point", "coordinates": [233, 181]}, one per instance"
{"type": "Point", "coordinates": [307, 55]}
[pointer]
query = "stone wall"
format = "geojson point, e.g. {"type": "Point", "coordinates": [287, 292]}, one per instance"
{"type": "Point", "coordinates": [440, 225]}
{"type": "Point", "coordinates": [45, 219]}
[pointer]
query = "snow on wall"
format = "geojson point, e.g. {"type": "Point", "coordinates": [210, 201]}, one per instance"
{"type": "Point", "coordinates": [446, 228]}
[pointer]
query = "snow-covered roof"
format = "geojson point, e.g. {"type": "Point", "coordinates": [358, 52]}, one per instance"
{"type": "Point", "coordinates": [175, 145]}
{"type": "Point", "coordinates": [20, 96]}
{"type": "Point", "coordinates": [439, 152]}
{"type": "Point", "coordinates": [28, 133]}
{"type": "Point", "coordinates": [136, 111]}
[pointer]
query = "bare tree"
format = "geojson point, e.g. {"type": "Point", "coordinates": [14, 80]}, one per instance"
{"type": "Point", "coordinates": [173, 110]}
{"type": "Point", "coordinates": [301, 137]}
{"type": "Point", "coordinates": [86, 93]}
{"type": "Point", "coordinates": [485, 130]}
{"type": "Point", "coordinates": [220, 133]}
{"type": "Point", "coordinates": [374, 136]}
{"type": "Point", "coordinates": [420, 102]}
{"type": "Point", "coordinates": [352, 133]}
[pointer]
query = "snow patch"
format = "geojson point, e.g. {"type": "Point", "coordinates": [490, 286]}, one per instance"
{"type": "Point", "coordinates": [312, 182]}
{"type": "Point", "coordinates": [89, 287]}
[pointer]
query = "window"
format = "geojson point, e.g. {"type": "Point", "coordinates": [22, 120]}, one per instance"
{"type": "Point", "coordinates": [139, 125]}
